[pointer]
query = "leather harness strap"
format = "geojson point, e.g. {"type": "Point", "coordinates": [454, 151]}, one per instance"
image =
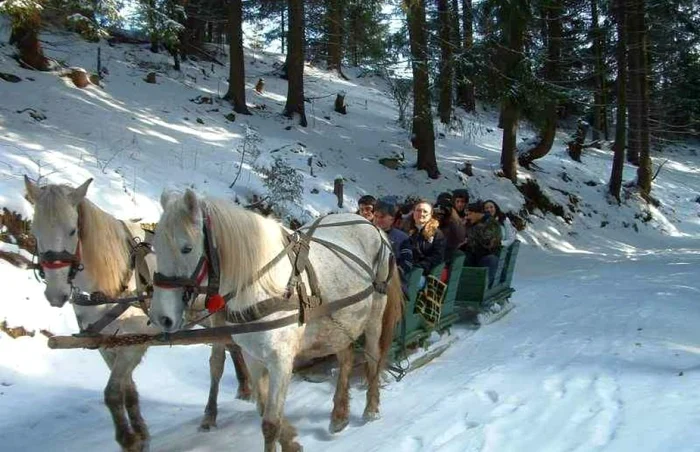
{"type": "Point", "coordinates": [309, 306]}
{"type": "Point", "coordinates": [138, 267]}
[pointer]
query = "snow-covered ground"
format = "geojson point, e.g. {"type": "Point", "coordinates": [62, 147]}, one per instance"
{"type": "Point", "coordinates": [601, 353]}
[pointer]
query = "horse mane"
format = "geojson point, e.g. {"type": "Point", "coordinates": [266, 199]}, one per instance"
{"type": "Point", "coordinates": [246, 242]}
{"type": "Point", "coordinates": [103, 238]}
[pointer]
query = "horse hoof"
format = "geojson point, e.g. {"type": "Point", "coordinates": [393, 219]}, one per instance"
{"type": "Point", "coordinates": [338, 425]}
{"type": "Point", "coordinates": [370, 416]}
{"type": "Point", "coordinates": [206, 426]}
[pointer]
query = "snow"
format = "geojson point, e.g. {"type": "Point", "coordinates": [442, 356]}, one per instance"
{"type": "Point", "coordinates": [601, 352]}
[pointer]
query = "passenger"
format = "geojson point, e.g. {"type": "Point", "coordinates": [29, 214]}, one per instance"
{"type": "Point", "coordinates": [366, 206]}
{"type": "Point", "coordinates": [451, 227]}
{"type": "Point", "coordinates": [444, 197]}
{"type": "Point", "coordinates": [384, 214]}
{"type": "Point", "coordinates": [406, 213]}
{"type": "Point", "coordinates": [460, 199]}
{"type": "Point", "coordinates": [427, 240]}
{"type": "Point", "coordinates": [483, 240]}
{"type": "Point", "coordinates": [508, 232]}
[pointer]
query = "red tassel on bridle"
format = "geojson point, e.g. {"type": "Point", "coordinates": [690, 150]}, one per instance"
{"type": "Point", "coordinates": [215, 303]}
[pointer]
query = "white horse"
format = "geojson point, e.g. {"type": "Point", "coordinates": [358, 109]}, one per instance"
{"type": "Point", "coordinates": [255, 263]}
{"type": "Point", "coordinates": [82, 247]}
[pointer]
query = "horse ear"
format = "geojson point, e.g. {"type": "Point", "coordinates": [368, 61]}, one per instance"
{"type": "Point", "coordinates": [79, 193]}
{"type": "Point", "coordinates": [192, 203]}
{"type": "Point", "coordinates": [165, 198]}
{"type": "Point", "coordinates": [33, 190]}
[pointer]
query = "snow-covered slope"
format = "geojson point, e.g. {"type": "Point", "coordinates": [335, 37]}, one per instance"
{"type": "Point", "coordinates": [601, 352]}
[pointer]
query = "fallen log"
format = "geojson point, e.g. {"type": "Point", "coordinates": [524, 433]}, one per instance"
{"type": "Point", "coordinates": [187, 337]}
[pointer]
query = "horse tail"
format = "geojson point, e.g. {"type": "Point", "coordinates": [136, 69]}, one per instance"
{"type": "Point", "coordinates": [393, 311]}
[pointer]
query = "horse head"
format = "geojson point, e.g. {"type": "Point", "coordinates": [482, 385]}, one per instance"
{"type": "Point", "coordinates": [181, 259]}
{"type": "Point", "coordinates": [56, 227]}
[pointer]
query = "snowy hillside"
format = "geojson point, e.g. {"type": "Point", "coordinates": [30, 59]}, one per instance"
{"type": "Point", "coordinates": [601, 353]}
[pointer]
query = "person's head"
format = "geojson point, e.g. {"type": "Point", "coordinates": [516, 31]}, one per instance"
{"type": "Point", "coordinates": [441, 212]}
{"type": "Point", "coordinates": [366, 206]}
{"type": "Point", "coordinates": [406, 207]}
{"type": "Point", "coordinates": [475, 212]}
{"type": "Point", "coordinates": [460, 199]}
{"type": "Point", "coordinates": [444, 197]}
{"type": "Point", "coordinates": [385, 213]}
{"type": "Point", "coordinates": [491, 208]}
{"type": "Point", "coordinates": [422, 212]}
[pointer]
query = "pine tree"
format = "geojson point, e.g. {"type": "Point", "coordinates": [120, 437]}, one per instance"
{"type": "Point", "coordinates": [25, 17]}
{"type": "Point", "coordinates": [600, 120]}
{"type": "Point", "coordinates": [514, 17]}
{"type": "Point", "coordinates": [446, 69]}
{"type": "Point", "coordinates": [644, 171]}
{"type": "Point", "coordinates": [615, 184]}
{"type": "Point", "coordinates": [423, 138]}
{"type": "Point", "coordinates": [236, 78]}
{"type": "Point", "coordinates": [466, 96]}
{"type": "Point", "coordinates": [295, 63]}
{"type": "Point", "coordinates": [334, 18]}
{"type": "Point", "coordinates": [552, 11]}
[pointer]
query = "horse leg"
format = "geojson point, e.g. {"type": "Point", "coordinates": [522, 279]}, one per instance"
{"type": "Point", "coordinates": [115, 397]}
{"type": "Point", "coordinates": [133, 410]}
{"type": "Point", "coordinates": [242, 374]}
{"type": "Point", "coordinates": [374, 363]}
{"type": "Point", "coordinates": [275, 427]}
{"type": "Point", "coordinates": [260, 380]}
{"type": "Point", "coordinates": [341, 399]}
{"type": "Point", "coordinates": [216, 370]}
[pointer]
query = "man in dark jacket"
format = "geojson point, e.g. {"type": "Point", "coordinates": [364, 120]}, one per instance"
{"type": "Point", "coordinates": [451, 226]}
{"type": "Point", "coordinates": [460, 199]}
{"type": "Point", "coordinates": [483, 240]}
{"type": "Point", "coordinates": [385, 211]}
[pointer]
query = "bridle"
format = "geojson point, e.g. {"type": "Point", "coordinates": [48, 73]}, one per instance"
{"type": "Point", "coordinates": [55, 260]}
{"type": "Point", "coordinates": [207, 267]}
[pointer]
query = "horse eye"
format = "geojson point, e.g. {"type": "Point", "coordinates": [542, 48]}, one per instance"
{"type": "Point", "coordinates": [72, 233]}
{"type": "Point", "coordinates": [186, 249]}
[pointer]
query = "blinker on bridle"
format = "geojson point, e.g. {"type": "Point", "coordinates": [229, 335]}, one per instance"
{"type": "Point", "coordinates": [208, 265]}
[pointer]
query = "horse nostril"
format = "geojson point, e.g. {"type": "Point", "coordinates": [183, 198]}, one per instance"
{"type": "Point", "coordinates": [166, 322]}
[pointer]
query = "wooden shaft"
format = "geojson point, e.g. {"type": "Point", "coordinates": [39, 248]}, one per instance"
{"type": "Point", "coordinates": [188, 337]}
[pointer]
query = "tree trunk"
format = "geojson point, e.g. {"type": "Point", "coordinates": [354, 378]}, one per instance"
{"type": "Point", "coordinates": [644, 172]}
{"type": "Point", "coordinates": [600, 113]}
{"type": "Point", "coordinates": [26, 37]}
{"type": "Point", "coordinates": [456, 42]}
{"type": "Point", "coordinates": [513, 55]}
{"type": "Point", "coordinates": [295, 63]}
{"type": "Point", "coordinates": [553, 15]}
{"type": "Point", "coordinates": [445, 76]}
{"type": "Point", "coordinates": [151, 24]}
{"type": "Point", "coordinates": [509, 113]}
{"type": "Point", "coordinates": [335, 36]}
{"type": "Point", "coordinates": [423, 134]}
{"type": "Point", "coordinates": [576, 145]}
{"type": "Point", "coordinates": [468, 100]}
{"type": "Point", "coordinates": [283, 33]}
{"type": "Point", "coordinates": [620, 127]}
{"type": "Point", "coordinates": [236, 75]}
{"type": "Point", "coordinates": [633, 88]}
